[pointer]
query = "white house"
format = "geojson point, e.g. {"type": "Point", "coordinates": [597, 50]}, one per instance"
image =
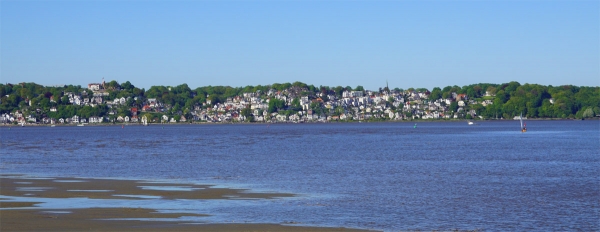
{"type": "Point", "coordinates": [294, 118]}
{"type": "Point", "coordinates": [30, 118]}
{"type": "Point", "coordinates": [487, 102]}
{"type": "Point", "coordinates": [75, 119]}
{"type": "Point", "coordinates": [94, 86]}
{"type": "Point", "coordinates": [95, 119]}
{"type": "Point", "coordinates": [152, 102]}
{"type": "Point", "coordinates": [281, 117]}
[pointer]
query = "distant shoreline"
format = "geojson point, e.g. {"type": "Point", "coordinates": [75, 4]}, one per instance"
{"type": "Point", "coordinates": [264, 123]}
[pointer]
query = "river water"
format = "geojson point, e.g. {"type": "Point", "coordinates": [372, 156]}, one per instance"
{"type": "Point", "coordinates": [386, 176]}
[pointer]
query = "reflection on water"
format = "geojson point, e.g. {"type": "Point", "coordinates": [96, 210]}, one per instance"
{"type": "Point", "coordinates": [59, 212]}
{"type": "Point", "coordinates": [32, 189]}
{"type": "Point", "coordinates": [137, 196]}
{"type": "Point", "coordinates": [89, 190]}
{"type": "Point", "coordinates": [169, 188]}
{"type": "Point", "coordinates": [391, 176]}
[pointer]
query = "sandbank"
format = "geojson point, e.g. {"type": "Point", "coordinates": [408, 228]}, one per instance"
{"type": "Point", "coordinates": [25, 215]}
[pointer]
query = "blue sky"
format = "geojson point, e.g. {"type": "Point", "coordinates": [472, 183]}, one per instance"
{"type": "Point", "coordinates": [420, 44]}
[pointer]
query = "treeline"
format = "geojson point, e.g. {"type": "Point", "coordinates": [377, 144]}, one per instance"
{"type": "Point", "coordinates": [508, 99]}
{"type": "Point", "coordinates": [533, 100]}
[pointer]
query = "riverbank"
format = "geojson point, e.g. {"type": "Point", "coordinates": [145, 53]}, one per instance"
{"type": "Point", "coordinates": [266, 123]}
{"type": "Point", "coordinates": [77, 204]}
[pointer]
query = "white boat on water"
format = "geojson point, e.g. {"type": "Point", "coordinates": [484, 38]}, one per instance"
{"type": "Point", "coordinates": [523, 125]}
{"type": "Point", "coordinates": [519, 117]}
{"type": "Point", "coordinates": [471, 123]}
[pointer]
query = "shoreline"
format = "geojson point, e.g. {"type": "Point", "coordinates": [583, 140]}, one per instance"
{"type": "Point", "coordinates": [266, 123]}
{"type": "Point", "coordinates": [23, 198]}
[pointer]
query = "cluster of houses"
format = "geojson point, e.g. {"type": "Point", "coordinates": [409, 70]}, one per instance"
{"type": "Point", "coordinates": [351, 105]}
{"type": "Point", "coordinates": [18, 117]}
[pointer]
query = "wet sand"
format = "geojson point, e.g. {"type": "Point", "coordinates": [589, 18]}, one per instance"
{"type": "Point", "coordinates": [27, 216]}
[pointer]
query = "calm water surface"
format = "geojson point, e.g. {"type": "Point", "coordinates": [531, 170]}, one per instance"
{"type": "Point", "coordinates": [388, 176]}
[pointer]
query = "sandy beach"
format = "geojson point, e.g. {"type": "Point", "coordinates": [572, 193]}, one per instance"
{"type": "Point", "coordinates": [25, 215]}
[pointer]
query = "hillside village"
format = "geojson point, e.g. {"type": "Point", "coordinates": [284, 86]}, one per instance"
{"type": "Point", "coordinates": [278, 103]}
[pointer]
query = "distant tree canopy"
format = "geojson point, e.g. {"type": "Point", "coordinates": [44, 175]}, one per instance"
{"type": "Point", "coordinates": [507, 100]}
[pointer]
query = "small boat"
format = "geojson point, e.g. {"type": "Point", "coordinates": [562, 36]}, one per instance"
{"type": "Point", "coordinates": [523, 125]}
{"type": "Point", "coordinates": [80, 124]}
{"type": "Point", "coordinates": [470, 123]}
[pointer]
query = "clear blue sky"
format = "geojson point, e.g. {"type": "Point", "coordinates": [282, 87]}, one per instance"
{"type": "Point", "coordinates": [420, 44]}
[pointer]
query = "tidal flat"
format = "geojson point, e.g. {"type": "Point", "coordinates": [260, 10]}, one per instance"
{"type": "Point", "coordinates": [76, 204]}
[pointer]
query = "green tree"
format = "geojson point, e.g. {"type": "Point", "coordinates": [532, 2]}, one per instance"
{"type": "Point", "coordinates": [275, 105]}
{"type": "Point", "coordinates": [300, 85]}
{"type": "Point", "coordinates": [127, 86]}
{"type": "Point", "coordinates": [295, 106]}
{"type": "Point", "coordinates": [453, 106]}
{"type": "Point", "coordinates": [471, 94]}
{"type": "Point", "coordinates": [338, 111]}
{"type": "Point", "coordinates": [435, 94]}
{"type": "Point", "coordinates": [112, 85]}
{"type": "Point", "coordinates": [246, 112]}
{"type": "Point", "coordinates": [446, 95]}
{"type": "Point", "coordinates": [338, 91]}
{"type": "Point", "coordinates": [501, 97]}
